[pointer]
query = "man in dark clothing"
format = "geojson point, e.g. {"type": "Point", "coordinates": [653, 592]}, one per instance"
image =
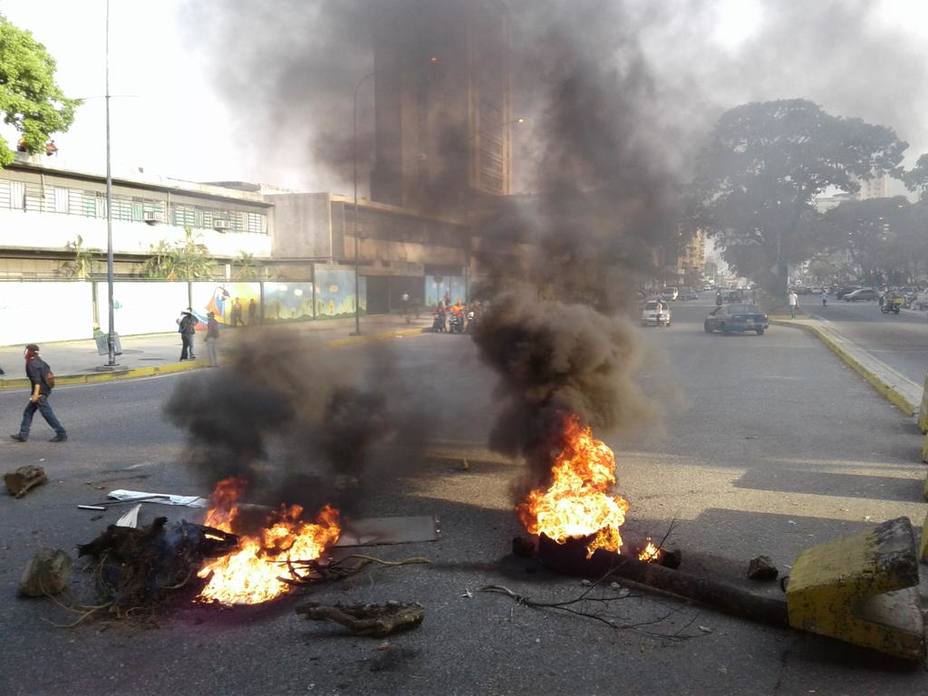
{"type": "Point", "coordinates": [187, 327]}
{"type": "Point", "coordinates": [252, 311]}
{"type": "Point", "coordinates": [40, 376]}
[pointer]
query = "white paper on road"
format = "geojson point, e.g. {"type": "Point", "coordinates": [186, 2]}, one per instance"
{"type": "Point", "coordinates": [193, 501]}
{"type": "Point", "coordinates": [131, 518]}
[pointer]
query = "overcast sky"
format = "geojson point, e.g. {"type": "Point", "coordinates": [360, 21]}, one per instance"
{"type": "Point", "coordinates": [855, 58]}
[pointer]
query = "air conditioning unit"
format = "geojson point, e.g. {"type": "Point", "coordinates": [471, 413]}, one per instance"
{"type": "Point", "coordinates": [152, 217]}
{"type": "Point", "coordinates": [220, 225]}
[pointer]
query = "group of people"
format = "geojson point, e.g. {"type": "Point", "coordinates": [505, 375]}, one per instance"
{"type": "Point", "coordinates": [187, 328]}
{"type": "Point", "coordinates": [457, 317]}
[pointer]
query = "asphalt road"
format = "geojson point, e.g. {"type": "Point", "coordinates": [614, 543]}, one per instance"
{"type": "Point", "coordinates": [900, 341]}
{"type": "Point", "coordinates": [754, 450]}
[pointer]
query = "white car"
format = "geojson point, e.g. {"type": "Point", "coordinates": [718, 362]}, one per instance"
{"type": "Point", "coordinates": [669, 294]}
{"type": "Point", "coordinates": [655, 313]}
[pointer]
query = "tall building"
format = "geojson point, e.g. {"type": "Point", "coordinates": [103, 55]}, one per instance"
{"type": "Point", "coordinates": [871, 188]}
{"type": "Point", "coordinates": [442, 102]}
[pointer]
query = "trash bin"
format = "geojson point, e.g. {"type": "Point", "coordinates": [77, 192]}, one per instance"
{"type": "Point", "coordinates": [102, 343]}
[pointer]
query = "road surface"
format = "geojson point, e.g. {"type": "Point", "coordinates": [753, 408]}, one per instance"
{"type": "Point", "coordinates": [753, 450]}
{"type": "Point", "coordinates": [900, 341]}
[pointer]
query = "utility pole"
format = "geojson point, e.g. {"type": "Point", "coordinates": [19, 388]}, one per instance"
{"type": "Point", "coordinates": [357, 228]}
{"type": "Point", "coordinates": [111, 337]}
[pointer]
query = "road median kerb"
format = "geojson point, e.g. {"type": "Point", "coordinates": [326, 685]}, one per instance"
{"type": "Point", "coordinates": [885, 388]}
{"type": "Point", "coordinates": [172, 368]}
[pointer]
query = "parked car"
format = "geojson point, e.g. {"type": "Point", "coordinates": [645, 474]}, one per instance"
{"type": "Point", "coordinates": [841, 292]}
{"type": "Point", "coordinates": [688, 294]}
{"type": "Point", "coordinates": [861, 294]}
{"type": "Point", "coordinates": [655, 313]}
{"type": "Point", "coordinates": [669, 294]}
{"type": "Point", "coordinates": [739, 318]}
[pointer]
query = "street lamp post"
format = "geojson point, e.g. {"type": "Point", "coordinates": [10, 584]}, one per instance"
{"type": "Point", "coordinates": [357, 230]}
{"type": "Point", "coordinates": [111, 337]}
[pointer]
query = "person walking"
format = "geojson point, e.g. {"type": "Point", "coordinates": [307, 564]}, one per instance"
{"type": "Point", "coordinates": [236, 313]}
{"type": "Point", "coordinates": [824, 297]}
{"type": "Point", "coordinates": [187, 327]}
{"type": "Point", "coordinates": [42, 380]}
{"type": "Point", "coordinates": [212, 337]}
{"type": "Point", "coordinates": [718, 298]}
{"type": "Point", "coordinates": [793, 303]}
{"type": "Point", "coordinates": [252, 311]}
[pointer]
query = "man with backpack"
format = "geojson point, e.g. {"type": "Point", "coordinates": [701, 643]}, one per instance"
{"type": "Point", "coordinates": [187, 328]}
{"type": "Point", "coordinates": [42, 380]}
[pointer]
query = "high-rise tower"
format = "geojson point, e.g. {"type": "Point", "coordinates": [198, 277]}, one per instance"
{"type": "Point", "coordinates": [442, 102]}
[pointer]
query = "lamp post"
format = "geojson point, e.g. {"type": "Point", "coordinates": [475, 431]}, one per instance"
{"type": "Point", "coordinates": [357, 232]}
{"type": "Point", "coordinates": [111, 336]}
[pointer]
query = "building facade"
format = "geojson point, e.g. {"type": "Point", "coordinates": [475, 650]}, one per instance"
{"type": "Point", "coordinates": [442, 103]}
{"type": "Point", "coordinates": [44, 209]}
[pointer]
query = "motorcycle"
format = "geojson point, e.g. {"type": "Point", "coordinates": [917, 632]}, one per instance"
{"type": "Point", "coordinates": [455, 323]}
{"type": "Point", "coordinates": [891, 304]}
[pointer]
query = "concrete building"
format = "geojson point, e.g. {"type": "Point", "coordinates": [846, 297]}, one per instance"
{"type": "Point", "coordinates": [399, 250]}
{"type": "Point", "coordinates": [442, 104]}
{"type": "Point", "coordinates": [873, 188]}
{"type": "Point", "coordinates": [43, 209]}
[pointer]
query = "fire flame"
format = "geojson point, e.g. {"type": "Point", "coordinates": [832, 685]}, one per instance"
{"type": "Point", "coordinates": [650, 553]}
{"type": "Point", "coordinates": [251, 573]}
{"type": "Point", "coordinates": [579, 502]}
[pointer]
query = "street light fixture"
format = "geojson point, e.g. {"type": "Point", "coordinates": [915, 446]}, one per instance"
{"type": "Point", "coordinates": [111, 336]}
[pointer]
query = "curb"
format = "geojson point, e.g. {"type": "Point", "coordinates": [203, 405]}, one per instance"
{"type": "Point", "coordinates": [173, 368]}
{"type": "Point", "coordinates": [885, 389]}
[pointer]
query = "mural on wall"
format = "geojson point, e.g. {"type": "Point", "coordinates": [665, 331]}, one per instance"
{"type": "Point", "coordinates": [234, 304]}
{"type": "Point", "coordinates": [444, 288]}
{"type": "Point", "coordinates": [288, 301]}
{"type": "Point", "coordinates": [142, 307]}
{"type": "Point", "coordinates": [335, 292]}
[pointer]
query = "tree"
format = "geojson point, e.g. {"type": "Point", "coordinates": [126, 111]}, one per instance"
{"type": "Point", "coordinates": [916, 179]}
{"type": "Point", "coordinates": [758, 173]}
{"type": "Point", "coordinates": [30, 100]}
{"type": "Point", "coordinates": [161, 264]}
{"type": "Point", "coordinates": [877, 235]}
{"type": "Point", "coordinates": [81, 266]}
{"type": "Point", "coordinates": [191, 257]}
{"type": "Point", "coordinates": [245, 267]}
{"type": "Point", "coordinates": [188, 259]}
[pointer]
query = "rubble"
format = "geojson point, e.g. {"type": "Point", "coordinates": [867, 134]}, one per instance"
{"type": "Point", "coordinates": [374, 620]}
{"type": "Point", "coordinates": [47, 573]}
{"type": "Point", "coordinates": [23, 479]}
{"type": "Point", "coordinates": [762, 568]}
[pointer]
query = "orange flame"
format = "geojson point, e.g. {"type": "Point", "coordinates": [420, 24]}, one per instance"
{"type": "Point", "coordinates": [650, 553]}
{"type": "Point", "coordinates": [579, 501]}
{"type": "Point", "coordinates": [251, 573]}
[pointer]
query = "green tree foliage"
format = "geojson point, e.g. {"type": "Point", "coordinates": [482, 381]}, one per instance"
{"type": "Point", "coordinates": [762, 166]}
{"type": "Point", "coordinates": [916, 179]}
{"type": "Point", "coordinates": [82, 264]}
{"type": "Point", "coordinates": [30, 100]}
{"type": "Point", "coordinates": [188, 259]}
{"type": "Point", "coordinates": [245, 266]}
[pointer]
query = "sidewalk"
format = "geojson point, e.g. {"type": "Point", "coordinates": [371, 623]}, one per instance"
{"type": "Point", "coordinates": [77, 362]}
{"type": "Point", "coordinates": [899, 390]}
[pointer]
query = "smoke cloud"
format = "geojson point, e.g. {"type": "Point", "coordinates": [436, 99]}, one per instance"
{"type": "Point", "coordinates": [296, 423]}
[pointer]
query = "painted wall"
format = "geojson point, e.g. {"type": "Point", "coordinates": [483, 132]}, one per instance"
{"type": "Point", "coordinates": [437, 287]}
{"type": "Point", "coordinates": [143, 307]}
{"type": "Point", "coordinates": [40, 312]}
{"type": "Point", "coordinates": [222, 298]}
{"type": "Point", "coordinates": [335, 292]}
{"type": "Point", "coordinates": [288, 301]}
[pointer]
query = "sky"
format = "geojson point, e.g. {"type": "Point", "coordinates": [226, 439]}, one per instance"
{"type": "Point", "coordinates": [171, 118]}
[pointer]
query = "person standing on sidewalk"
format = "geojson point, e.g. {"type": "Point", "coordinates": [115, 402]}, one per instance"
{"type": "Point", "coordinates": [252, 312]}
{"type": "Point", "coordinates": [793, 302]}
{"type": "Point", "coordinates": [187, 327]}
{"type": "Point", "coordinates": [212, 338]}
{"type": "Point", "coordinates": [42, 380]}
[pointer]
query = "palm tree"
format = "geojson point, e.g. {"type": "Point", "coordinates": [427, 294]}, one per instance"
{"type": "Point", "coordinates": [192, 257]}
{"type": "Point", "coordinates": [245, 266]}
{"type": "Point", "coordinates": [162, 264]}
{"type": "Point", "coordinates": [81, 266]}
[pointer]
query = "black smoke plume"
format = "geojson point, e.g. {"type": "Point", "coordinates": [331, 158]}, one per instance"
{"type": "Point", "coordinates": [297, 422]}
